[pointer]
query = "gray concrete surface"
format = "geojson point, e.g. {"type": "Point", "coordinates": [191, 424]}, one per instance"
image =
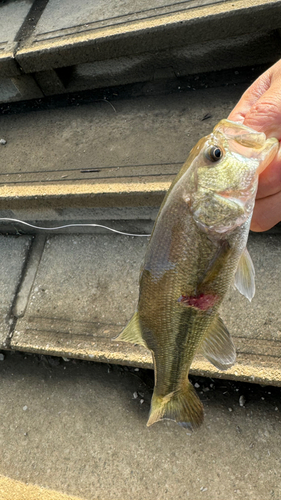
{"type": "Point", "coordinates": [85, 290]}
{"type": "Point", "coordinates": [126, 139]}
{"type": "Point", "coordinates": [76, 427]}
{"type": "Point", "coordinates": [9, 91]}
{"type": "Point", "coordinates": [62, 17]}
{"type": "Point", "coordinates": [13, 251]}
{"type": "Point", "coordinates": [135, 140]}
{"type": "Point", "coordinates": [13, 15]}
{"type": "Point", "coordinates": [51, 47]}
{"type": "Point", "coordinates": [86, 283]}
{"type": "Point", "coordinates": [19, 88]}
{"type": "Point", "coordinates": [202, 57]}
{"type": "Point", "coordinates": [14, 86]}
{"type": "Point", "coordinates": [106, 30]}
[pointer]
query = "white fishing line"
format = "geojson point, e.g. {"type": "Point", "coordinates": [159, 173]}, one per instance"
{"type": "Point", "coordinates": [57, 228]}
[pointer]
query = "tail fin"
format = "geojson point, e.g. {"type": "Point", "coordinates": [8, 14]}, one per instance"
{"type": "Point", "coordinates": [182, 405]}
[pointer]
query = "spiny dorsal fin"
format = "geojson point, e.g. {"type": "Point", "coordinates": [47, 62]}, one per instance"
{"type": "Point", "coordinates": [218, 347]}
{"type": "Point", "coordinates": [245, 276]}
{"type": "Point", "coordinates": [132, 332]}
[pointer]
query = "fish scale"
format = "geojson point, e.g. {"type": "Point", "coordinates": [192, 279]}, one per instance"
{"type": "Point", "coordinates": [196, 250]}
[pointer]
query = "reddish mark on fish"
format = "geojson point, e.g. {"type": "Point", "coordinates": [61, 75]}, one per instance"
{"type": "Point", "coordinates": [202, 301]}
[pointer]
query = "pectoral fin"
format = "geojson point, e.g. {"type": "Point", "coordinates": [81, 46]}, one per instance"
{"type": "Point", "coordinates": [217, 263]}
{"type": "Point", "coordinates": [218, 347]}
{"type": "Point", "coordinates": [245, 276]}
{"type": "Point", "coordinates": [132, 332]}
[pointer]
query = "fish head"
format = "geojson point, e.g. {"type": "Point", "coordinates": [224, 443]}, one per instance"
{"type": "Point", "coordinates": [223, 175]}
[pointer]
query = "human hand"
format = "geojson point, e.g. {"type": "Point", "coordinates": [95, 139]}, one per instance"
{"type": "Point", "coordinates": [260, 109]}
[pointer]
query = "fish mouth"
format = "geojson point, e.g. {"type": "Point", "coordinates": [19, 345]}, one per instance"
{"type": "Point", "coordinates": [242, 134]}
{"type": "Point", "coordinates": [268, 153]}
{"type": "Point", "coordinates": [249, 142]}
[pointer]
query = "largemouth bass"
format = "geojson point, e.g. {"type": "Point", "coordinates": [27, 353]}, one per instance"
{"type": "Point", "coordinates": [196, 250]}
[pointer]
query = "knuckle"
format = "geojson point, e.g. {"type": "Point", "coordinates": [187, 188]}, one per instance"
{"type": "Point", "coordinates": [264, 111]}
{"type": "Point", "coordinates": [265, 116]}
{"type": "Point", "coordinates": [267, 108]}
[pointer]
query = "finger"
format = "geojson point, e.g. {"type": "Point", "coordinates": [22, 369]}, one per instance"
{"type": "Point", "coordinates": [270, 178]}
{"type": "Point", "coordinates": [265, 114]}
{"type": "Point", "coordinates": [250, 97]}
{"type": "Point", "coordinates": [267, 213]}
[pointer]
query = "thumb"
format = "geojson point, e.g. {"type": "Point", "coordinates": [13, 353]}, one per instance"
{"type": "Point", "coordinates": [265, 114]}
{"type": "Point", "coordinates": [250, 97]}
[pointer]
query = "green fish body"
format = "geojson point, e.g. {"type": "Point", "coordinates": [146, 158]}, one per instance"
{"type": "Point", "coordinates": [196, 250]}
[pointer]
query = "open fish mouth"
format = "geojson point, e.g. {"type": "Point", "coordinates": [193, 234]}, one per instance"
{"type": "Point", "coordinates": [242, 134]}
{"type": "Point", "coordinates": [248, 142]}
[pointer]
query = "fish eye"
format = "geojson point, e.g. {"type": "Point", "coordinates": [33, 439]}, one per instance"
{"type": "Point", "coordinates": [214, 153]}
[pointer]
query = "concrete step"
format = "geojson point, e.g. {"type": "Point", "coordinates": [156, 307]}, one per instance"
{"type": "Point", "coordinates": [70, 295]}
{"type": "Point", "coordinates": [49, 46]}
{"type": "Point", "coordinates": [100, 156]}
{"type": "Point", "coordinates": [109, 156]}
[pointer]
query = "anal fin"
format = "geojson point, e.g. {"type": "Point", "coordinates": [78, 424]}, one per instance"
{"type": "Point", "coordinates": [132, 332]}
{"type": "Point", "coordinates": [217, 347]}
